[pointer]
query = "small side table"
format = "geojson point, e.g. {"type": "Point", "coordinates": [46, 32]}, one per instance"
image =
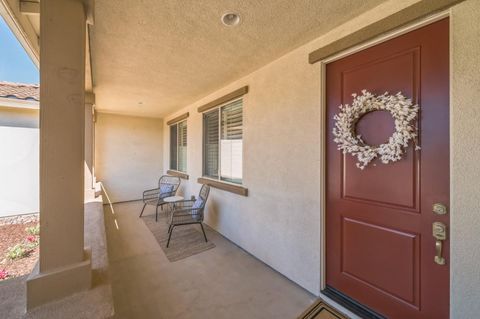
{"type": "Point", "coordinates": [171, 201]}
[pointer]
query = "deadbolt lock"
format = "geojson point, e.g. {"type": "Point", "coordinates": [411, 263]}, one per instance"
{"type": "Point", "coordinates": [439, 209]}
{"type": "Point", "coordinates": [439, 231]}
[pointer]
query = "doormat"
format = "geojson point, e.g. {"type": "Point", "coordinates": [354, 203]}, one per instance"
{"type": "Point", "coordinates": [186, 240]}
{"type": "Point", "coordinates": [321, 310]}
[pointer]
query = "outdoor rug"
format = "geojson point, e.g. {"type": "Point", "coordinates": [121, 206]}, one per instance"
{"type": "Point", "coordinates": [321, 310]}
{"type": "Point", "coordinates": [186, 240]}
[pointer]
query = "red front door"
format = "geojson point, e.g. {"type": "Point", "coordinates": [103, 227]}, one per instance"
{"type": "Point", "coordinates": [379, 245]}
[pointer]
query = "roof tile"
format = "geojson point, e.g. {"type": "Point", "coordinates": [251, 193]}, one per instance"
{"type": "Point", "coordinates": [20, 91]}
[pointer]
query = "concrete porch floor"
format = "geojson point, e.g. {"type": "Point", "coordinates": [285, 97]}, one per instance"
{"type": "Point", "coordinates": [223, 282]}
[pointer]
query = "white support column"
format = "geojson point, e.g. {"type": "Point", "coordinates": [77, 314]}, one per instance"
{"type": "Point", "coordinates": [89, 142]}
{"type": "Point", "coordinates": [64, 266]}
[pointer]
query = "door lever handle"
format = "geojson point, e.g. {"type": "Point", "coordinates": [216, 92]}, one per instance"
{"type": "Point", "coordinates": [440, 234]}
{"type": "Point", "coordinates": [438, 249]}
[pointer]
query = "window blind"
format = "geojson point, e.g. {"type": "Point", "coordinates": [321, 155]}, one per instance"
{"type": "Point", "coordinates": [231, 144]}
{"type": "Point", "coordinates": [211, 141]}
{"type": "Point", "coordinates": [173, 147]}
{"type": "Point", "coordinates": [182, 146]}
{"type": "Point", "coordinates": [232, 121]}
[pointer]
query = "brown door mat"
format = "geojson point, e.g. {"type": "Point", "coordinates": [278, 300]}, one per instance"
{"type": "Point", "coordinates": [321, 310]}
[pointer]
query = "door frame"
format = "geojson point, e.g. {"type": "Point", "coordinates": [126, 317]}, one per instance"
{"type": "Point", "coordinates": [323, 119]}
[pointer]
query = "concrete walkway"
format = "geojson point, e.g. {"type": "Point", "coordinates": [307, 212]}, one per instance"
{"type": "Point", "coordinates": [223, 282]}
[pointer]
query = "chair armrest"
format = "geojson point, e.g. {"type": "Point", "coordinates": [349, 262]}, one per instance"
{"type": "Point", "coordinates": [151, 194]}
{"type": "Point", "coordinates": [183, 204]}
{"type": "Point", "coordinates": [187, 215]}
{"type": "Point", "coordinates": [186, 211]}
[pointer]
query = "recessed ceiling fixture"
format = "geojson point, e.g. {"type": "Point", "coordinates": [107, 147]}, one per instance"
{"type": "Point", "coordinates": [231, 19]}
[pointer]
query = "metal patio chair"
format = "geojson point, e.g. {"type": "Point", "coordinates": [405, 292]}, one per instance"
{"type": "Point", "coordinates": [188, 212]}
{"type": "Point", "coordinates": [167, 186]}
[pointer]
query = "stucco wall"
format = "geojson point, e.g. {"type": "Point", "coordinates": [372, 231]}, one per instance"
{"type": "Point", "coordinates": [128, 154]}
{"type": "Point", "coordinates": [19, 165]}
{"type": "Point", "coordinates": [279, 222]}
{"type": "Point", "coordinates": [465, 163]}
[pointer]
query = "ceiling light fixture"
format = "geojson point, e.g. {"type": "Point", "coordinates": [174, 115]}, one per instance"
{"type": "Point", "coordinates": [231, 19]}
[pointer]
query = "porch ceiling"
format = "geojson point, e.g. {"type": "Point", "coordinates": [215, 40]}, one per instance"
{"type": "Point", "coordinates": [167, 54]}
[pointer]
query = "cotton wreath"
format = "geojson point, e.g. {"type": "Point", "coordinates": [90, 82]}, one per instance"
{"type": "Point", "coordinates": [403, 112]}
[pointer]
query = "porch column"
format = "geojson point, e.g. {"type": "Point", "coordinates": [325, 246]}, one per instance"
{"type": "Point", "coordinates": [89, 142]}
{"type": "Point", "coordinates": [64, 267]}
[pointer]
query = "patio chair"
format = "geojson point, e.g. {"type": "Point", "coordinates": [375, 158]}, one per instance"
{"type": "Point", "coordinates": [188, 212]}
{"type": "Point", "coordinates": [167, 186]}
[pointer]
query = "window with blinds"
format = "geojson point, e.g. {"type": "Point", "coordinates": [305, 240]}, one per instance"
{"type": "Point", "coordinates": [178, 146]}
{"type": "Point", "coordinates": [173, 147]}
{"type": "Point", "coordinates": [223, 142]}
{"type": "Point", "coordinates": [182, 147]}
{"type": "Point", "coordinates": [210, 144]}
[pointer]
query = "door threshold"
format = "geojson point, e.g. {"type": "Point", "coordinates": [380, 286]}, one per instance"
{"type": "Point", "coordinates": [350, 304]}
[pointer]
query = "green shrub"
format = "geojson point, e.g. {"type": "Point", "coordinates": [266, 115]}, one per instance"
{"type": "Point", "coordinates": [18, 251]}
{"type": "Point", "coordinates": [34, 230]}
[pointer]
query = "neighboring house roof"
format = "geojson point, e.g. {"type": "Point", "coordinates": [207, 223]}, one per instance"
{"type": "Point", "coordinates": [20, 91]}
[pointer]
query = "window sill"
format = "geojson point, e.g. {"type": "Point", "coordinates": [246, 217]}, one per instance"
{"type": "Point", "coordinates": [232, 188]}
{"type": "Point", "coordinates": [177, 174]}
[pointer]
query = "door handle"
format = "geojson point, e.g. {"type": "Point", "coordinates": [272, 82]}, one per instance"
{"type": "Point", "coordinates": [439, 231]}
{"type": "Point", "coordinates": [438, 249]}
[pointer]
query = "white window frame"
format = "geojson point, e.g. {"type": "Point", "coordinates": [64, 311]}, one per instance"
{"type": "Point", "coordinates": [178, 147]}
{"type": "Point", "coordinates": [219, 110]}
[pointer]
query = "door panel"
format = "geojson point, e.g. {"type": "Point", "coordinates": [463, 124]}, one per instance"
{"type": "Point", "coordinates": [402, 258]}
{"type": "Point", "coordinates": [357, 183]}
{"type": "Point", "coordinates": [380, 248]}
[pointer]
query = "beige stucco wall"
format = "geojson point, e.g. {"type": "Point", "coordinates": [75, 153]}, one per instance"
{"type": "Point", "coordinates": [128, 154]}
{"type": "Point", "coordinates": [465, 164]}
{"type": "Point", "coordinates": [279, 222]}
{"type": "Point", "coordinates": [19, 166]}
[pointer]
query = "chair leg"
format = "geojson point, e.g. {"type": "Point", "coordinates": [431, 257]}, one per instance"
{"type": "Point", "coordinates": [170, 235]}
{"type": "Point", "coordinates": [156, 214]}
{"type": "Point", "coordinates": [142, 210]}
{"type": "Point", "coordinates": [169, 228]}
{"type": "Point", "coordinates": [204, 235]}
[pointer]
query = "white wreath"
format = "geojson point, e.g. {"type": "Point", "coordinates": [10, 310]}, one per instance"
{"type": "Point", "coordinates": [402, 111]}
